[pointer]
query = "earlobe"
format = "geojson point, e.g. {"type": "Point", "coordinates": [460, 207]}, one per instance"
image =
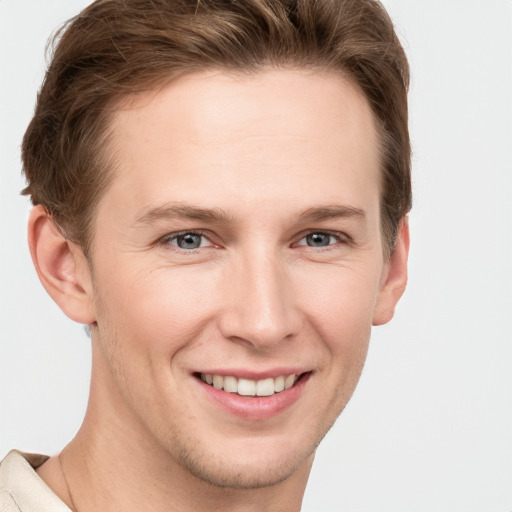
{"type": "Point", "coordinates": [61, 266]}
{"type": "Point", "coordinates": [394, 279]}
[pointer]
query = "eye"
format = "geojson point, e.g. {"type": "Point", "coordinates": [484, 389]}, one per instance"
{"type": "Point", "coordinates": [188, 240]}
{"type": "Point", "coordinates": [319, 239]}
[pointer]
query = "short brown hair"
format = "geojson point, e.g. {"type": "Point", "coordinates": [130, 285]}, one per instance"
{"type": "Point", "coordinates": [116, 48]}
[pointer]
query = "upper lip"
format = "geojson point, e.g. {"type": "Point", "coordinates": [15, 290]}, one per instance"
{"type": "Point", "coordinates": [245, 373]}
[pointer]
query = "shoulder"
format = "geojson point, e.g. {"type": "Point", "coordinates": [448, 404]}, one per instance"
{"type": "Point", "coordinates": [21, 489]}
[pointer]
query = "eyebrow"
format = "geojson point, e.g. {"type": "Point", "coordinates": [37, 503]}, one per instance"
{"type": "Point", "coordinates": [184, 211]}
{"type": "Point", "coordinates": [322, 213]}
{"type": "Point", "coordinates": [219, 216]}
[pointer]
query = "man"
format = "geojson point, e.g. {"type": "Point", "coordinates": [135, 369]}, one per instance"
{"type": "Point", "coordinates": [220, 194]}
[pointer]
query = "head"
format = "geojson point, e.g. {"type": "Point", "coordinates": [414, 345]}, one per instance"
{"type": "Point", "coordinates": [222, 191]}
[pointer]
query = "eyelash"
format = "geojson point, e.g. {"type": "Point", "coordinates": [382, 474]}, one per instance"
{"type": "Point", "coordinates": [341, 238]}
{"type": "Point", "coordinates": [167, 239]}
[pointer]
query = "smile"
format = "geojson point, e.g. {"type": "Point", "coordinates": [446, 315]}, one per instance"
{"type": "Point", "coordinates": [257, 399]}
{"type": "Point", "coordinates": [248, 387]}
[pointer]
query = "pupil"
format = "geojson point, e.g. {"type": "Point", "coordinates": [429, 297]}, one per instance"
{"type": "Point", "coordinates": [318, 239]}
{"type": "Point", "coordinates": [189, 241]}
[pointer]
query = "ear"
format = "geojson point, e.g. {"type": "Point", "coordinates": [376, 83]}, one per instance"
{"type": "Point", "coordinates": [394, 277]}
{"type": "Point", "coordinates": [61, 266]}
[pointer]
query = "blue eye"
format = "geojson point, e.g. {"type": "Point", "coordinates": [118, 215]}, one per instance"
{"type": "Point", "coordinates": [319, 239]}
{"type": "Point", "coordinates": [189, 240]}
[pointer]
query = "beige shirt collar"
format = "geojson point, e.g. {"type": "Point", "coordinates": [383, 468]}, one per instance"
{"type": "Point", "coordinates": [19, 479]}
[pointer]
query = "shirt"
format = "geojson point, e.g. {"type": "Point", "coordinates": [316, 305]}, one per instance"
{"type": "Point", "coordinates": [21, 489]}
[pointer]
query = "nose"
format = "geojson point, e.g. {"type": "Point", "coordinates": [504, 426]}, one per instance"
{"type": "Point", "coordinates": [259, 302]}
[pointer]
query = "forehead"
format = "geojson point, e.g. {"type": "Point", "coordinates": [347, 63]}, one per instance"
{"type": "Point", "coordinates": [217, 137]}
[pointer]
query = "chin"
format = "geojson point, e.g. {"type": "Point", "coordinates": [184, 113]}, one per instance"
{"type": "Point", "coordinates": [240, 476]}
{"type": "Point", "coordinates": [249, 468]}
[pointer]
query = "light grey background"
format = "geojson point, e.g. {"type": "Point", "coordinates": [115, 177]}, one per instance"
{"type": "Point", "coordinates": [430, 425]}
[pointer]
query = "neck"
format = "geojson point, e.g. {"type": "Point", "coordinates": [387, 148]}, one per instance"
{"type": "Point", "coordinates": [118, 474]}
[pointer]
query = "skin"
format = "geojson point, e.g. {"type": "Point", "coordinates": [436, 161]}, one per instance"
{"type": "Point", "coordinates": [269, 155]}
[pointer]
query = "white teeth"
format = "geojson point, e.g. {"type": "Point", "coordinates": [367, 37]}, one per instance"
{"type": "Point", "coordinates": [248, 387]}
{"type": "Point", "coordinates": [265, 387]}
{"type": "Point", "coordinates": [278, 384]}
{"type": "Point", "coordinates": [230, 384]}
{"type": "Point", "coordinates": [289, 381]}
{"type": "Point", "coordinates": [218, 381]}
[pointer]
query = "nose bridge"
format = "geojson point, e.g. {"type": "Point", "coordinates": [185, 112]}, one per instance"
{"type": "Point", "coordinates": [260, 309]}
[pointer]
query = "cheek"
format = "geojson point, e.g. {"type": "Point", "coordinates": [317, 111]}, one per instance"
{"type": "Point", "coordinates": [339, 301]}
{"type": "Point", "coordinates": [339, 307]}
{"type": "Point", "coordinates": [160, 310]}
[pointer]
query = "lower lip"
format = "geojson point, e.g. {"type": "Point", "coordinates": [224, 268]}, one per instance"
{"type": "Point", "coordinates": [256, 407]}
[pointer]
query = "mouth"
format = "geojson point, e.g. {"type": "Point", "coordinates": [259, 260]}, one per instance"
{"type": "Point", "coordinates": [249, 387]}
{"type": "Point", "coordinates": [254, 399]}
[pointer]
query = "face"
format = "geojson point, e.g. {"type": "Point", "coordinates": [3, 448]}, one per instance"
{"type": "Point", "coordinates": [237, 267]}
